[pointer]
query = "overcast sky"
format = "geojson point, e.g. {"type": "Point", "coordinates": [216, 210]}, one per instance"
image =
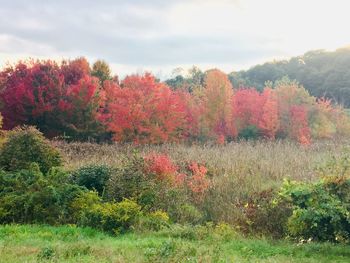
{"type": "Point", "coordinates": [160, 35]}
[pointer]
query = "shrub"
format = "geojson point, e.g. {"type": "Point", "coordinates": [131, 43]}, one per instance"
{"type": "Point", "coordinates": [320, 210]}
{"type": "Point", "coordinates": [28, 196]}
{"type": "Point", "coordinates": [130, 181]}
{"type": "Point", "coordinates": [249, 132]}
{"type": "Point", "coordinates": [25, 145]}
{"type": "Point", "coordinates": [187, 214]}
{"type": "Point", "coordinates": [262, 215]}
{"type": "Point", "coordinates": [93, 177]}
{"type": "Point", "coordinates": [153, 221]}
{"type": "Point", "coordinates": [110, 217]}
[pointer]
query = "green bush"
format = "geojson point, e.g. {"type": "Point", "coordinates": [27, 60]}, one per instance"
{"type": "Point", "coordinates": [93, 177]}
{"type": "Point", "coordinates": [25, 145]}
{"type": "Point", "coordinates": [186, 214]}
{"type": "Point", "coordinates": [153, 221]}
{"type": "Point", "coordinates": [249, 132]}
{"type": "Point", "coordinates": [109, 216]}
{"type": "Point", "coordinates": [262, 215]}
{"type": "Point", "coordinates": [320, 210]}
{"type": "Point", "coordinates": [27, 196]}
{"type": "Point", "coordinates": [130, 181]}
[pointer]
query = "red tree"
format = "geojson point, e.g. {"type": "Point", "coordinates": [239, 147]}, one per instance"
{"type": "Point", "coordinates": [247, 107]}
{"type": "Point", "coordinates": [143, 110]}
{"type": "Point", "coordinates": [269, 121]}
{"type": "Point", "coordinates": [299, 129]}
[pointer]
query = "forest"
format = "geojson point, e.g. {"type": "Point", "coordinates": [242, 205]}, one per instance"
{"type": "Point", "coordinates": [322, 73]}
{"type": "Point", "coordinates": [73, 100]}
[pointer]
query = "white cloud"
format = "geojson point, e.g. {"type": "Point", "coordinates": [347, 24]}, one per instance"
{"type": "Point", "coordinates": [161, 35]}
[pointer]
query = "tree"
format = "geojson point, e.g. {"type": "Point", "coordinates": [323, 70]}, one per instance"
{"type": "Point", "coordinates": [218, 113]}
{"type": "Point", "coordinates": [142, 110]}
{"type": "Point", "coordinates": [269, 121]}
{"type": "Point", "coordinates": [247, 106]}
{"type": "Point", "coordinates": [101, 70]}
{"type": "Point", "coordinates": [56, 99]}
{"type": "Point", "coordinates": [299, 129]}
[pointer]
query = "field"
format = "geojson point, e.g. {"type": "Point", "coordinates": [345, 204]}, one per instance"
{"type": "Point", "coordinates": [71, 244]}
{"type": "Point", "coordinates": [237, 172]}
{"type": "Point", "coordinates": [239, 169]}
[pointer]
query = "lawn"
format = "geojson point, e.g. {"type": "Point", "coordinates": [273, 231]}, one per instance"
{"type": "Point", "coordinates": [72, 244]}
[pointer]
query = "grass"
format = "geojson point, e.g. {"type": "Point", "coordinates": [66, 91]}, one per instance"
{"type": "Point", "coordinates": [72, 244]}
{"type": "Point", "coordinates": [239, 169]}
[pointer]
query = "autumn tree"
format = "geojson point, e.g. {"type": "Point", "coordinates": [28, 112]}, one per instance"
{"type": "Point", "coordinates": [269, 122]}
{"type": "Point", "coordinates": [247, 107]}
{"type": "Point", "coordinates": [101, 70]}
{"type": "Point", "coordinates": [53, 98]}
{"type": "Point", "coordinates": [218, 113]}
{"type": "Point", "coordinates": [299, 129]}
{"type": "Point", "coordinates": [142, 110]}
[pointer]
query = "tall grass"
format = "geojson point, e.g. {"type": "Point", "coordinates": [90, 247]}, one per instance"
{"type": "Point", "coordinates": [239, 169]}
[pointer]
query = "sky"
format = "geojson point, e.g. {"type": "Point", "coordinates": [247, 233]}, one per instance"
{"type": "Point", "coordinates": [135, 36]}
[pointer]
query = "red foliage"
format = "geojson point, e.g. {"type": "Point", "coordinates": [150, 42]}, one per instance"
{"type": "Point", "coordinates": [53, 98]}
{"type": "Point", "coordinates": [299, 129]}
{"type": "Point", "coordinates": [247, 106]}
{"type": "Point", "coordinates": [161, 165]}
{"type": "Point", "coordinates": [198, 182]}
{"type": "Point", "coordinates": [142, 110]}
{"type": "Point", "coordinates": [30, 91]}
{"type": "Point", "coordinates": [269, 122]}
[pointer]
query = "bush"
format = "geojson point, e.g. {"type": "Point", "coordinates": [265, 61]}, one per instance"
{"type": "Point", "coordinates": [25, 145]}
{"type": "Point", "coordinates": [262, 215]}
{"type": "Point", "coordinates": [29, 197]}
{"type": "Point", "coordinates": [320, 210]}
{"type": "Point", "coordinates": [153, 221]}
{"type": "Point", "coordinates": [93, 177]}
{"type": "Point", "coordinates": [109, 216]}
{"type": "Point", "coordinates": [249, 132]}
{"type": "Point", "coordinates": [129, 181]}
{"type": "Point", "coordinates": [187, 214]}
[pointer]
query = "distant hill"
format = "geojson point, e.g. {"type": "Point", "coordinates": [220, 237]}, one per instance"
{"type": "Point", "coordinates": [321, 72]}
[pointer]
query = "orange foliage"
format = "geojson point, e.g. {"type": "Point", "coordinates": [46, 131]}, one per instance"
{"type": "Point", "coordinates": [218, 114]}
{"type": "Point", "coordinates": [143, 110]}
{"type": "Point", "coordinates": [299, 125]}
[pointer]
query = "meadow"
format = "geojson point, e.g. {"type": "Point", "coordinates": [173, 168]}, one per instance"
{"type": "Point", "coordinates": [88, 202]}
{"type": "Point", "coordinates": [20, 244]}
{"type": "Point", "coordinates": [240, 168]}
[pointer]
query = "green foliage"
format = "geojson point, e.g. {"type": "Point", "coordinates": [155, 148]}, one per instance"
{"type": "Point", "coordinates": [320, 210]}
{"type": "Point", "coordinates": [27, 196]}
{"type": "Point", "coordinates": [25, 145]}
{"type": "Point", "coordinates": [101, 70]}
{"type": "Point", "coordinates": [129, 181]}
{"type": "Point", "coordinates": [110, 217]}
{"type": "Point", "coordinates": [187, 214]}
{"type": "Point", "coordinates": [46, 253]}
{"type": "Point", "coordinates": [93, 177]}
{"type": "Point", "coordinates": [262, 215]}
{"type": "Point", "coordinates": [322, 73]}
{"type": "Point", "coordinates": [107, 216]}
{"type": "Point", "coordinates": [249, 132]}
{"type": "Point", "coordinates": [153, 221]}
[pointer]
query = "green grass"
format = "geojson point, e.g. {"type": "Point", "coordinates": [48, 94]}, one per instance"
{"type": "Point", "coordinates": [72, 244]}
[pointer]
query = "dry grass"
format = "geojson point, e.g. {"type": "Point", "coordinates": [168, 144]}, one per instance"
{"type": "Point", "coordinates": [238, 169]}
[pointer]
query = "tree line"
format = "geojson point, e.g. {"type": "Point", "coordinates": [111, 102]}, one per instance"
{"type": "Point", "coordinates": [74, 100]}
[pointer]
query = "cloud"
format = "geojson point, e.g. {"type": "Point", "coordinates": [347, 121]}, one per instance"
{"type": "Point", "coordinates": [158, 34]}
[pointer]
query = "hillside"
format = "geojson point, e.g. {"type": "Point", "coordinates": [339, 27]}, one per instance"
{"type": "Point", "coordinates": [322, 73]}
